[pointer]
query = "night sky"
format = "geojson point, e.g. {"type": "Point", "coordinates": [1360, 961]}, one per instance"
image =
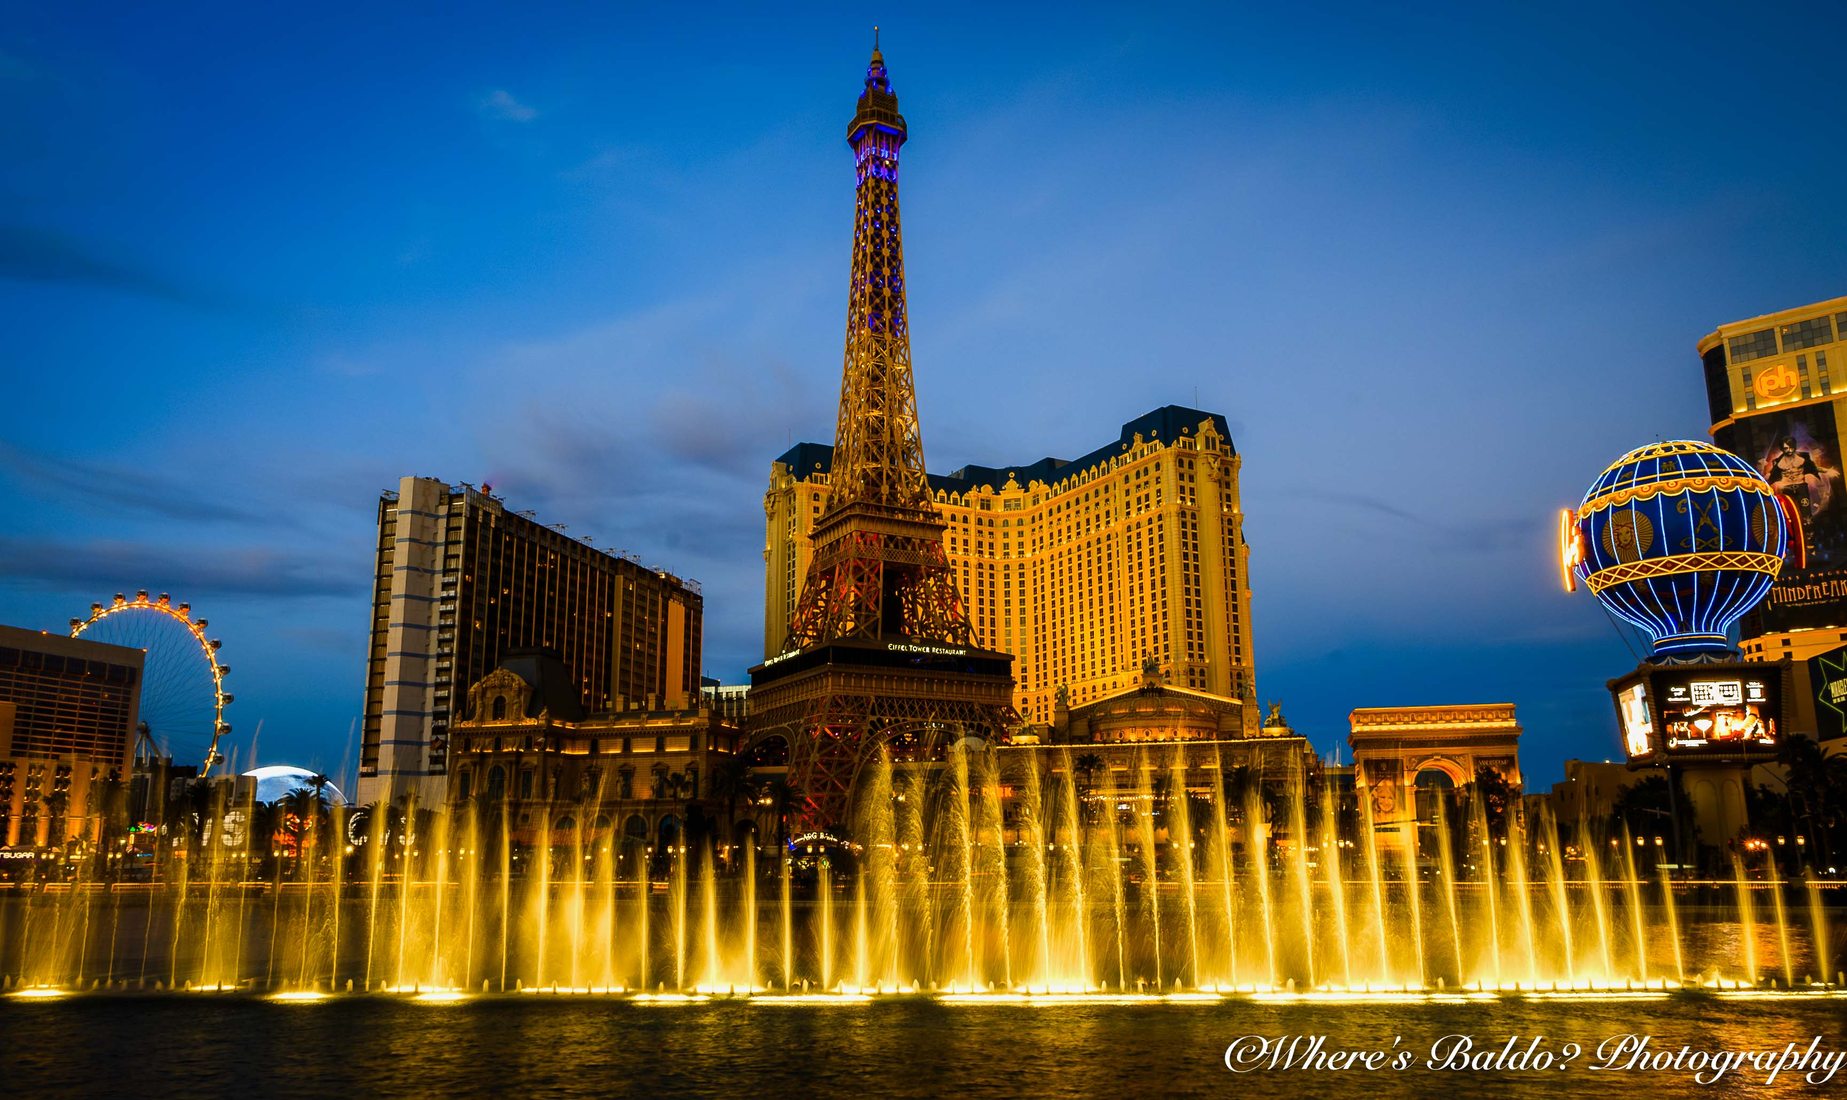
{"type": "Point", "coordinates": [1437, 267]}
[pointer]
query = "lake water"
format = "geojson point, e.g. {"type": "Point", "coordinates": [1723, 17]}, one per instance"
{"type": "Point", "coordinates": [192, 1045]}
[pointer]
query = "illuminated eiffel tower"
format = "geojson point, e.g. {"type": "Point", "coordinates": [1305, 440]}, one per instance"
{"type": "Point", "coordinates": [880, 653]}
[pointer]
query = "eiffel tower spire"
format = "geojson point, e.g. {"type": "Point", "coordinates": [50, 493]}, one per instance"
{"type": "Point", "coordinates": [878, 453]}
{"type": "Point", "coordinates": [879, 658]}
{"type": "Point", "coordinates": [879, 569]}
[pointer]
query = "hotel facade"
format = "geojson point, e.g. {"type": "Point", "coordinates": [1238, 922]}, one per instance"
{"type": "Point", "coordinates": [68, 712]}
{"type": "Point", "coordinates": [1083, 570]}
{"type": "Point", "coordinates": [461, 582]}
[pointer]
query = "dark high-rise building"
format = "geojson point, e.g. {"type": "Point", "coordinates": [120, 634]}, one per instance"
{"type": "Point", "coordinates": [461, 582]}
{"type": "Point", "coordinates": [68, 709]}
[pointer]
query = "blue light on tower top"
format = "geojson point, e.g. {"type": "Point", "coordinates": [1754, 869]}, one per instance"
{"type": "Point", "coordinates": [877, 129]}
{"type": "Point", "coordinates": [1680, 539]}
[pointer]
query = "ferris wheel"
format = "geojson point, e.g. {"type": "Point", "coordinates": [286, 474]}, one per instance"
{"type": "Point", "coordinates": [182, 682]}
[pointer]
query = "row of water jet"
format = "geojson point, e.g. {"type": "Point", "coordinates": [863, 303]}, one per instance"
{"type": "Point", "coordinates": [994, 869]}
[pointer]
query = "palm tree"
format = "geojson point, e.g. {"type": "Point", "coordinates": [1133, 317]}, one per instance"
{"type": "Point", "coordinates": [1816, 791]}
{"type": "Point", "coordinates": [1497, 797]}
{"type": "Point", "coordinates": [304, 812]}
{"type": "Point", "coordinates": [193, 811]}
{"type": "Point", "coordinates": [729, 781]}
{"type": "Point", "coordinates": [265, 823]}
{"type": "Point", "coordinates": [1238, 782]}
{"type": "Point", "coordinates": [57, 805]}
{"type": "Point", "coordinates": [776, 789]}
{"type": "Point", "coordinates": [1654, 798]}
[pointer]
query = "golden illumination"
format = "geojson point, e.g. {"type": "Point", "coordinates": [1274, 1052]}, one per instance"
{"type": "Point", "coordinates": [1158, 521]}
{"type": "Point", "coordinates": [180, 613]}
{"type": "Point", "coordinates": [1570, 549]}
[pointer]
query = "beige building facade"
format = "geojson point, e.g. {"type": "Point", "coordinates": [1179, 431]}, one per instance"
{"type": "Point", "coordinates": [641, 776]}
{"type": "Point", "coordinates": [68, 712]}
{"type": "Point", "coordinates": [460, 582]}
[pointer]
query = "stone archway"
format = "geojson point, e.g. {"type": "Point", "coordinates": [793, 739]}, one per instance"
{"type": "Point", "coordinates": [1433, 785]}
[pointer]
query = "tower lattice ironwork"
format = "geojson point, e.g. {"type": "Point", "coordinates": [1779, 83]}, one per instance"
{"type": "Point", "coordinates": [879, 569]}
{"type": "Point", "coordinates": [879, 652]}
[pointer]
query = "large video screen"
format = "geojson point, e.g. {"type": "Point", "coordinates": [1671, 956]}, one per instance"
{"type": "Point", "coordinates": [1716, 711]}
{"type": "Point", "coordinates": [1638, 724]}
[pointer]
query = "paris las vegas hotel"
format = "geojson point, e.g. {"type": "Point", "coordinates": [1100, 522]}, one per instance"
{"type": "Point", "coordinates": [1082, 569]}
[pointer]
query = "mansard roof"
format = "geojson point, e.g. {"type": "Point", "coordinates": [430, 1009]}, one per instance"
{"type": "Point", "coordinates": [1166, 423]}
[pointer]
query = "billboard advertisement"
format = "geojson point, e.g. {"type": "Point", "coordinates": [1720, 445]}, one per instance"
{"type": "Point", "coordinates": [1798, 451]}
{"type": "Point", "coordinates": [1828, 679]}
{"type": "Point", "coordinates": [1716, 711]}
{"type": "Point", "coordinates": [1638, 723]}
{"type": "Point", "coordinates": [1722, 709]}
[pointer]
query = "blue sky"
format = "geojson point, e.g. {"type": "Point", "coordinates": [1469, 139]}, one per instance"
{"type": "Point", "coordinates": [1437, 267]}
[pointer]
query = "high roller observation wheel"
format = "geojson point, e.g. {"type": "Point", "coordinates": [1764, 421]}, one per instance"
{"type": "Point", "coordinates": [182, 668]}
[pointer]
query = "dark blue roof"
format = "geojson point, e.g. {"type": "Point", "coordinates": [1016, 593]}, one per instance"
{"type": "Point", "coordinates": [1165, 423]}
{"type": "Point", "coordinates": [553, 688]}
{"type": "Point", "coordinates": [807, 458]}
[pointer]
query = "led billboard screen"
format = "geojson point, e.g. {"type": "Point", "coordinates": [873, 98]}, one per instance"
{"type": "Point", "coordinates": [1725, 711]}
{"type": "Point", "coordinates": [1721, 710]}
{"type": "Point", "coordinates": [1638, 724]}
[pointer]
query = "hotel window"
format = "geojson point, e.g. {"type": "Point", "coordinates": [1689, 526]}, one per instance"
{"type": "Point", "coordinates": [1807, 334]}
{"type": "Point", "coordinates": [1752, 345]}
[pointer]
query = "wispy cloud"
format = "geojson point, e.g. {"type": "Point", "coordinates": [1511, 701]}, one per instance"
{"type": "Point", "coordinates": [104, 565]}
{"type": "Point", "coordinates": [1477, 534]}
{"type": "Point", "coordinates": [1364, 502]}
{"type": "Point", "coordinates": [502, 105]}
{"type": "Point", "coordinates": [41, 256]}
{"type": "Point", "coordinates": [680, 482]}
{"type": "Point", "coordinates": [123, 488]}
{"type": "Point", "coordinates": [340, 641]}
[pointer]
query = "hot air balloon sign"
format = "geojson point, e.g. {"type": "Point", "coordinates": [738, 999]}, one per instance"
{"type": "Point", "coordinates": [1680, 539]}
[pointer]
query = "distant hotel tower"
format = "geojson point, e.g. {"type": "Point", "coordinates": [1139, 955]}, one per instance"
{"type": "Point", "coordinates": [1777, 387]}
{"type": "Point", "coordinates": [68, 709]}
{"type": "Point", "coordinates": [1081, 569]}
{"type": "Point", "coordinates": [461, 582]}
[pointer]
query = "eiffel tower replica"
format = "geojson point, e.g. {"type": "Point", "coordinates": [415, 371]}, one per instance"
{"type": "Point", "coordinates": [880, 653]}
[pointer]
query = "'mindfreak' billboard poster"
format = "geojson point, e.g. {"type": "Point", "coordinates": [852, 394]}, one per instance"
{"type": "Point", "coordinates": [1798, 451]}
